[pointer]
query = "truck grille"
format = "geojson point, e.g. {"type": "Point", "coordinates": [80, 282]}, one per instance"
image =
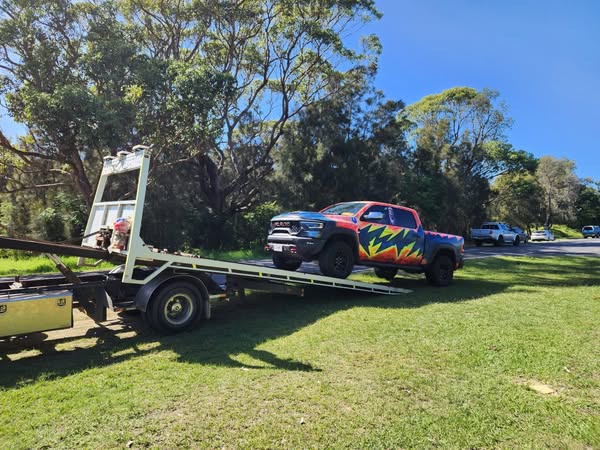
{"type": "Point", "coordinates": [285, 227]}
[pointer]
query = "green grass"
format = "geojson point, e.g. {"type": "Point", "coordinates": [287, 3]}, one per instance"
{"type": "Point", "coordinates": [446, 368]}
{"type": "Point", "coordinates": [565, 232]}
{"type": "Point", "coordinates": [41, 264]}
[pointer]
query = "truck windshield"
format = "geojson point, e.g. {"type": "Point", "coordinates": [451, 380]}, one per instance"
{"type": "Point", "coordinates": [349, 208]}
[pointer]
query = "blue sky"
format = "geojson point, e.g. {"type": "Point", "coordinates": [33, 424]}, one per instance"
{"type": "Point", "coordinates": [542, 56]}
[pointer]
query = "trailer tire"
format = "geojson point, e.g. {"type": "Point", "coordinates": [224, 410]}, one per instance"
{"type": "Point", "coordinates": [441, 271]}
{"type": "Point", "coordinates": [175, 307]}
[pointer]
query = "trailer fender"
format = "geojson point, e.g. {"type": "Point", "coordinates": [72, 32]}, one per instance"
{"type": "Point", "coordinates": [143, 296]}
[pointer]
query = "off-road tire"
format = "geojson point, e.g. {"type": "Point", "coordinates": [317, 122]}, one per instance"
{"type": "Point", "coordinates": [441, 272]}
{"type": "Point", "coordinates": [336, 260]}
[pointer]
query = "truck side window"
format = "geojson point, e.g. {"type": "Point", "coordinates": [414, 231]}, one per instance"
{"type": "Point", "coordinates": [404, 218]}
{"type": "Point", "coordinates": [381, 209]}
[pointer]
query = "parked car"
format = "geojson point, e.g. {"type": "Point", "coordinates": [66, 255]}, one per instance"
{"type": "Point", "coordinates": [497, 233]}
{"type": "Point", "coordinates": [386, 237]}
{"type": "Point", "coordinates": [542, 235]}
{"type": "Point", "coordinates": [591, 231]}
{"type": "Point", "coordinates": [523, 235]}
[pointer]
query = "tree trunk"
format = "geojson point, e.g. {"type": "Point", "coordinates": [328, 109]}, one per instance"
{"type": "Point", "coordinates": [82, 182]}
{"type": "Point", "coordinates": [209, 179]}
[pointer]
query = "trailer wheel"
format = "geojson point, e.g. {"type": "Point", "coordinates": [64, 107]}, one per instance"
{"type": "Point", "coordinates": [336, 260]}
{"type": "Point", "coordinates": [441, 271]}
{"type": "Point", "coordinates": [175, 307]}
{"type": "Point", "coordinates": [284, 263]}
{"type": "Point", "coordinates": [387, 273]}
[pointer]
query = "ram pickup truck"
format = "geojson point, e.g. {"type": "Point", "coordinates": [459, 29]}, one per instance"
{"type": "Point", "coordinates": [497, 233]}
{"type": "Point", "coordinates": [387, 237]}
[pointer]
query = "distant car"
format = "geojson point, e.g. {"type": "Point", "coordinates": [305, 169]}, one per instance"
{"type": "Point", "coordinates": [497, 233]}
{"type": "Point", "coordinates": [591, 231]}
{"type": "Point", "coordinates": [523, 235]}
{"type": "Point", "coordinates": [542, 235]}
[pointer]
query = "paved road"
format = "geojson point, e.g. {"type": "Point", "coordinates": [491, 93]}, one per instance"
{"type": "Point", "coordinates": [570, 247]}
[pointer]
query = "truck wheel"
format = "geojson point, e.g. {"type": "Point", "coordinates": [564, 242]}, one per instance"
{"type": "Point", "coordinates": [284, 263]}
{"type": "Point", "coordinates": [175, 307]}
{"type": "Point", "coordinates": [441, 271]}
{"type": "Point", "coordinates": [477, 243]}
{"type": "Point", "coordinates": [387, 273]}
{"type": "Point", "coordinates": [517, 241]}
{"type": "Point", "coordinates": [499, 242]}
{"type": "Point", "coordinates": [336, 260]}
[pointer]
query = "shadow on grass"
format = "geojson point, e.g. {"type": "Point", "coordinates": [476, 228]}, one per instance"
{"type": "Point", "coordinates": [240, 327]}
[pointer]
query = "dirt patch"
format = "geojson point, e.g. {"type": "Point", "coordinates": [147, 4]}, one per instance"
{"type": "Point", "coordinates": [85, 333]}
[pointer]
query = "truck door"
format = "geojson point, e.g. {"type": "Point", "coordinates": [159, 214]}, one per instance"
{"type": "Point", "coordinates": [411, 241]}
{"type": "Point", "coordinates": [390, 235]}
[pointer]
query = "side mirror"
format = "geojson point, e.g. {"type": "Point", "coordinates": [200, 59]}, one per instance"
{"type": "Point", "coordinates": [373, 215]}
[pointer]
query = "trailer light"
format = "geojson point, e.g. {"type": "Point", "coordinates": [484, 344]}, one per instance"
{"type": "Point", "coordinates": [293, 249]}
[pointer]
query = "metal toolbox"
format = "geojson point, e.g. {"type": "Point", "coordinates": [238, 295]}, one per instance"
{"type": "Point", "coordinates": [29, 313]}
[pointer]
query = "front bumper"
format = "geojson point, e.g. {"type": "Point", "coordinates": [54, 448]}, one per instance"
{"type": "Point", "coordinates": [295, 246]}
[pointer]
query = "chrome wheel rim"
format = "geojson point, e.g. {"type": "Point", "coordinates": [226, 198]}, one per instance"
{"type": "Point", "coordinates": [178, 309]}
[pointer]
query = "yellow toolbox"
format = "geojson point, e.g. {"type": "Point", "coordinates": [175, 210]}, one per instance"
{"type": "Point", "coordinates": [30, 313]}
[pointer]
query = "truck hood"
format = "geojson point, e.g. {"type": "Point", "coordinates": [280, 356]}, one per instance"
{"type": "Point", "coordinates": [302, 215]}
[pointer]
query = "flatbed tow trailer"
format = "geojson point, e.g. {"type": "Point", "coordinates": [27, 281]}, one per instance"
{"type": "Point", "coordinates": [173, 290]}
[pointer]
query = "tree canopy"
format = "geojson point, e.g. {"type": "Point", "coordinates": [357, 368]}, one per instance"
{"type": "Point", "coordinates": [251, 106]}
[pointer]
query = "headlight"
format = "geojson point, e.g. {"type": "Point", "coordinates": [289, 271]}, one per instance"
{"type": "Point", "coordinates": [311, 229]}
{"type": "Point", "coordinates": [312, 226]}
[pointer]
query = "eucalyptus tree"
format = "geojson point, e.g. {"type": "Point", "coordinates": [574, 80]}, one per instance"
{"type": "Point", "coordinates": [588, 203]}
{"type": "Point", "coordinates": [281, 55]}
{"type": "Point", "coordinates": [211, 84]}
{"type": "Point", "coordinates": [356, 153]}
{"type": "Point", "coordinates": [518, 199]}
{"type": "Point", "coordinates": [561, 188]}
{"type": "Point", "coordinates": [459, 146]}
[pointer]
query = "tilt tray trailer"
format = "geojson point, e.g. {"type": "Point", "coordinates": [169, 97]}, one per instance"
{"type": "Point", "coordinates": [171, 289]}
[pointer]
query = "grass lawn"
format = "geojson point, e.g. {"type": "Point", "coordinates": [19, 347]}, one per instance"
{"type": "Point", "coordinates": [456, 367]}
{"type": "Point", "coordinates": [565, 232]}
{"type": "Point", "coordinates": [41, 264]}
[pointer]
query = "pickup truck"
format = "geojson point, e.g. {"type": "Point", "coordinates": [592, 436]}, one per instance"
{"type": "Point", "coordinates": [384, 236]}
{"type": "Point", "coordinates": [497, 233]}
